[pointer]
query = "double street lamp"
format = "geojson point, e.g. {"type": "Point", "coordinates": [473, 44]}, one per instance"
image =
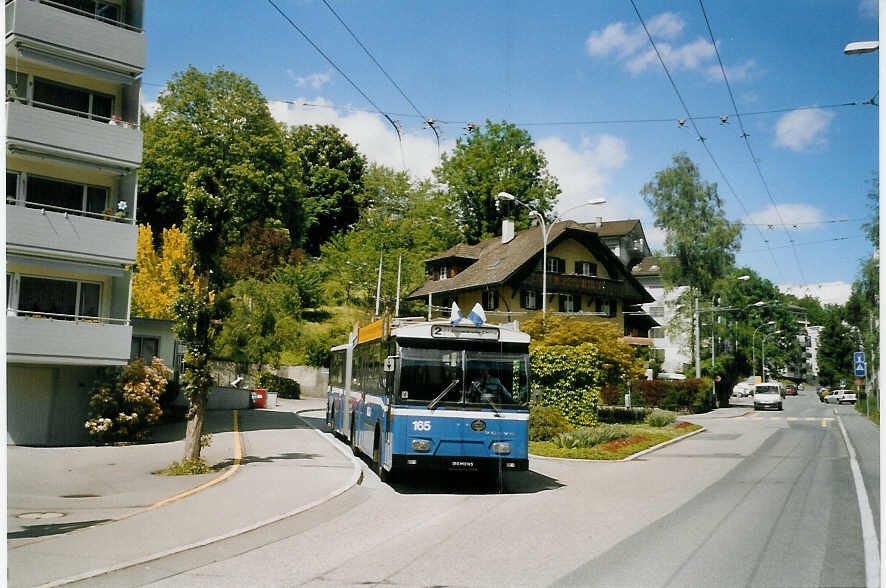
{"type": "Point", "coordinates": [545, 232]}
{"type": "Point", "coordinates": [754, 347]}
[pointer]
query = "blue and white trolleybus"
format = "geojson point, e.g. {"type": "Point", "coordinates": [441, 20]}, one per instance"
{"type": "Point", "coordinates": [418, 395]}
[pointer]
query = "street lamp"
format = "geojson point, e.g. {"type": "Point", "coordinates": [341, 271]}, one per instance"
{"type": "Point", "coordinates": [859, 47]}
{"type": "Point", "coordinates": [545, 231]}
{"type": "Point", "coordinates": [754, 347]}
{"type": "Point", "coordinates": [763, 349]}
{"type": "Point", "coordinates": [713, 331]}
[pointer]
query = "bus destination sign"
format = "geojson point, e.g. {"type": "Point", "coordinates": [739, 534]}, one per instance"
{"type": "Point", "coordinates": [476, 333]}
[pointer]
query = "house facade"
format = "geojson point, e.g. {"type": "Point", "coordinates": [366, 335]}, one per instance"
{"type": "Point", "coordinates": [73, 147]}
{"type": "Point", "coordinates": [504, 274]}
{"type": "Point", "coordinates": [671, 340]}
{"type": "Point", "coordinates": [625, 238]}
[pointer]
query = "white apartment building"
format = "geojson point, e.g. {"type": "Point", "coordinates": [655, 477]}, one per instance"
{"type": "Point", "coordinates": [73, 145]}
{"type": "Point", "coordinates": [671, 339]}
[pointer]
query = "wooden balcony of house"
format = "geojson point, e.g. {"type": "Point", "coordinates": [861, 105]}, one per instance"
{"type": "Point", "coordinates": [575, 284]}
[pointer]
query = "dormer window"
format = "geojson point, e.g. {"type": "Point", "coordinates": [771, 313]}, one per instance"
{"type": "Point", "coordinates": [444, 271]}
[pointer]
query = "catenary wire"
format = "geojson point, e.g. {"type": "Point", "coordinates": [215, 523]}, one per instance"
{"type": "Point", "coordinates": [701, 139]}
{"type": "Point", "coordinates": [747, 142]}
{"type": "Point", "coordinates": [803, 243]}
{"type": "Point", "coordinates": [335, 65]}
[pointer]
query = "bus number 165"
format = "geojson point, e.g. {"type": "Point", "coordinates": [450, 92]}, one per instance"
{"type": "Point", "coordinates": [421, 425]}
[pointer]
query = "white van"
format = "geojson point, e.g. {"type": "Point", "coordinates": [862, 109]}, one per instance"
{"type": "Point", "coordinates": [767, 395]}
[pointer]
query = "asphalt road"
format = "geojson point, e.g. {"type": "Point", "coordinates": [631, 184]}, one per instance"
{"type": "Point", "coordinates": [762, 500]}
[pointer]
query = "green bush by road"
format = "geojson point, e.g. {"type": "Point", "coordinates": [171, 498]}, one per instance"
{"type": "Point", "coordinates": [639, 437]}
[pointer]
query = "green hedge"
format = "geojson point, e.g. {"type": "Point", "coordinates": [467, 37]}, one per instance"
{"type": "Point", "coordinates": [569, 378]}
{"type": "Point", "coordinates": [283, 387]}
{"type": "Point", "coordinates": [693, 394]}
{"type": "Point", "coordinates": [546, 422]}
{"type": "Point", "coordinates": [621, 414]}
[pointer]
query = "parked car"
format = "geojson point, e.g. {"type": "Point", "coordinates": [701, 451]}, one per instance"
{"type": "Point", "coordinates": [744, 388]}
{"type": "Point", "coordinates": [840, 397]}
{"type": "Point", "coordinates": [822, 392]}
{"type": "Point", "coordinates": [768, 395]}
{"type": "Point", "coordinates": [790, 390]}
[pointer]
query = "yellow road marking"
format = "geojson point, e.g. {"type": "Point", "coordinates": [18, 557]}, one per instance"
{"type": "Point", "coordinates": [824, 422]}
{"type": "Point", "coordinates": [793, 419]}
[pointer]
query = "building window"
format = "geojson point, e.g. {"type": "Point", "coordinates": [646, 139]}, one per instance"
{"type": "Point", "coordinates": [11, 185]}
{"type": "Point", "coordinates": [490, 299]}
{"type": "Point", "coordinates": [72, 100]}
{"type": "Point", "coordinates": [606, 307]}
{"type": "Point", "coordinates": [65, 196]}
{"type": "Point", "coordinates": [146, 348]}
{"type": "Point", "coordinates": [656, 311]}
{"type": "Point", "coordinates": [656, 333]}
{"type": "Point", "coordinates": [528, 299]}
{"type": "Point", "coordinates": [103, 10]}
{"type": "Point", "coordinates": [444, 272]}
{"type": "Point", "coordinates": [60, 299]}
{"type": "Point", "coordinates": [556, 265]}
{"type": "Point", "coordinates": [585, 268]}
{"type": "Point", "coordinates": [568, 303]}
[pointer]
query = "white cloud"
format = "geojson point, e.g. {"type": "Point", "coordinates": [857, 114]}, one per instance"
{"type": "Point", "coordinates": [630, 45]}
{"type": "Point", "coordinates": [802, 128]}
{"type": "Point", "coordinates": [738, 73]}
{"type": "Point", "coordinates": [151, 107]}
{"type": "Point", "coordinates": [371, 133]}
{"type": "Point", "coordinates": [868, 8]}
{"type": "Point", "coordinates": [583, 173]}
{"type": "Point", "coordinates": [826, 292]}
{"type": "Point", "coordinates": [314, 80]}
{"type": "Point", "coordinates": [799, 217]}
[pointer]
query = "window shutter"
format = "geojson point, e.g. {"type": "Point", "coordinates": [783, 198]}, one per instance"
{"type": "Point", "coordinates": [593, 269]}
{"type": "Point", "coordinates": [578, 267]}
{"type": "Point", "coordinates": [561, 266]}
{"type": "Point", "coordinates": [562, 305]}
{"type": "Point", "coordinates": [576, 301]}
{"type": "Point", "coordinates": [523, 296]}
{"type": "Point", "coordinates": [613, 307]}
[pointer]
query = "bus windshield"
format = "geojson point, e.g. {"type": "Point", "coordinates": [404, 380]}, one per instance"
{"type": "Point", "coordinates": [452, 376]}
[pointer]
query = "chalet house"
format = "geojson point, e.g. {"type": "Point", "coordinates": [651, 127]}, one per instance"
{"type": "Point", "coordinates": [625, 238]}
{"type": "Point", "coordinates": [584, 277]}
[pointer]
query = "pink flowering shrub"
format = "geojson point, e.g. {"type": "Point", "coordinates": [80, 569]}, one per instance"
{"type": "Point", "coordinates": [125, 403]}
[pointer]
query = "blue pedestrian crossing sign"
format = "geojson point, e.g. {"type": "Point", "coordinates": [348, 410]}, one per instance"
{"type": "Point", "coordinates": [858, 361]}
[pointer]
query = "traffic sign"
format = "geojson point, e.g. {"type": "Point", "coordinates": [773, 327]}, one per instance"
{"type": "Point", "coordinates": [858, 361]}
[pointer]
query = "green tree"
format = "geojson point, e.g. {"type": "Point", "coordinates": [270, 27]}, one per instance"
{"type": "Point", "coordinates": [154, 284]}
{"type": "Point", "coordinates": [699, 235]}
{"type": "Point", "coordinates": [331, 170]}
{"type": "Point", "coordinates": [217, 125]}
{"type": "Point", "coordinates": [499, 157]}
{"type": "Point", "coordinates": [836, 344]}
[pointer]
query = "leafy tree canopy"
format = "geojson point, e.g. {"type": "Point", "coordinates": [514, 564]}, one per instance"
{"type": "Point", "coordinates": [499, 157]}
{"type": "Point", "coordinates": [154, 280]}
{"type": "Point", "coordinates": [698, 232]}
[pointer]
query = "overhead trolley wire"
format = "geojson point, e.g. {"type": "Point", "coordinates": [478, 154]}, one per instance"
{"type": "Point", "coordinates": [803, 243]}
{"type": "Point", "coordinates": [745, 136]}
{"type": "Point", "coordinates": [428, 121]}
{"type": "Point", "coordinates": [335, 65]}
{"type": "Point", "coordinates": [701, 139]}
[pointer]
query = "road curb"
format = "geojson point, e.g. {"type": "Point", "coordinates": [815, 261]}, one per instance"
{"type": "Point", "coordinates": [356, 478]}
{"type": "Point", "coordinates": [624, 459]}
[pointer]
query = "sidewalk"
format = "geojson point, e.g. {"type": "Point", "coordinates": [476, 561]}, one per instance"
{"type": "Point", "coordinates": [95, 502]}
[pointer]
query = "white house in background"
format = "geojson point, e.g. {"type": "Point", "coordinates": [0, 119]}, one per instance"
{"type": "Point", "coordinates": [671, 340]}
{"type": "Point", "coordinates": [813, 336]}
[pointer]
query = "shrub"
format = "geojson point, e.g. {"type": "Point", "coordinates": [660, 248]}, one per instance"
{"type": "Point", "coordinates": [621, 414]}
{"type": "Point", "coordinates": [660, 418]}
{"type": "Point", "coordinates": [283, 387]}
{"type": "Point", "coordinates": [590, 436]}
{"type": "Point", "coordinates": [125, 403]}
{"type": "Point", "coordinates": [569, 378]}
{"type": "Point", "coordinates": [186, 468]}
{"type": "Point", "coordinates": [546, 422]}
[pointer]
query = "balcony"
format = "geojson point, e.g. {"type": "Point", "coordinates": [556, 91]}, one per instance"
{"type": "Point", "coordinates": [575, 284]}
{"type": "Point", "coordinates": [67, 136]}
{"type": "Point", "coordinates": [34, 231]}
{"type": "Point", "coordinates": [52, 341]}
{"type": "Point", "coordinates": [49, 32]}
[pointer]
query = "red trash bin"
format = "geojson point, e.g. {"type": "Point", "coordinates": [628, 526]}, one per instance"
{"type": "Point", "coordinates": [260, 396]}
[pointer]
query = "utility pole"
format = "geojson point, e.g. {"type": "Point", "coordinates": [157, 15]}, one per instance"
{"type": "Point", "coordinates": [697, 358]}
{"type": "Point", "coordinates": [713, 348]}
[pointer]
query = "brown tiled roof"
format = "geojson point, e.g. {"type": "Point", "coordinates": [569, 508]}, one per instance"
{"type": "Point", "coordinates": [651, 265]}
{"type": "Point", "coordinates": [461, 251]}
{"type": "Point", "coordinates": [497, 261]}
{"type": "Point", "coordinates": [613, 228]}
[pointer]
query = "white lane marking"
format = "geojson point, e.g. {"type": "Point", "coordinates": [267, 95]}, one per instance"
{"type": "Point", "coordinates": [868, 531]}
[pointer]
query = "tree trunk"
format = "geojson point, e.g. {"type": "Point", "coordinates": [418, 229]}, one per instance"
{"type": "Point", "coordinates": [196, 413]}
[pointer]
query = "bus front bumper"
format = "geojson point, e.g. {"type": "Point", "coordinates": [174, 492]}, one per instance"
{"type": "Point", "coordinates": [457, 464]}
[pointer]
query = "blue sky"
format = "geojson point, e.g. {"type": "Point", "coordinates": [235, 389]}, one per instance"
{"type": "Point", "coordinates": [541, 63]}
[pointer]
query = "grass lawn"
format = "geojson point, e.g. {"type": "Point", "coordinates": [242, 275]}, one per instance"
{"type": "Point", "coordinates": [643, 437]}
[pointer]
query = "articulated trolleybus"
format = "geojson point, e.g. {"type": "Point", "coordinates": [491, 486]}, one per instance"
{"type": "Point", "coordinates": [433, 395]}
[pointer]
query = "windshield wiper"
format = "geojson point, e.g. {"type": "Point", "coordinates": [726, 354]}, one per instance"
{"type": "Point", "coordinates": [433, 403]}
{"type": "Point", "coordinates": [494, 407]}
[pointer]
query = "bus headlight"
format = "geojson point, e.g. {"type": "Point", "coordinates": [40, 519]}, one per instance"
{"type": "Point", "coordinates": [421, 445]}
{"type": "Point", "coordinates": [501, 448]}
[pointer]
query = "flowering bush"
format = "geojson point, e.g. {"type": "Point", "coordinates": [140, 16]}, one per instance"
{"type": "Point", "coordinates": [125, 403]}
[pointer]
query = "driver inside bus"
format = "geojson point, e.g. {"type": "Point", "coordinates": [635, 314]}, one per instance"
{"type": "Point", "coordinates": [488, 386]}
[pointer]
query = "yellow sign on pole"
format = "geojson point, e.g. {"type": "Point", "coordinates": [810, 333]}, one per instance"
{"type": "Point", "coordinates": [371, 331]}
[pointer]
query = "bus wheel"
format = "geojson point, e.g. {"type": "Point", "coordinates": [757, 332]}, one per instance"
{"type": "Point", "coordinates": [353, 439]}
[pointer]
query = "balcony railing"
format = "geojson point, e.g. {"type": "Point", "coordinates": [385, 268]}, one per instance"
{"type": "Point", "coordinates": [574, 283]}
{"type": "Point", "coordinates": [71, 342]}
{"type": "Point", "coordinates": [76, 318]}
{"type": "Point", "coordinates": [107, 214]}
{"type": "Point", "coordinates": [83, 13]}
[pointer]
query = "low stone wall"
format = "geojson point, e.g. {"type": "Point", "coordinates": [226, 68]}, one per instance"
{"type": "Point", "coordinates": [222, 398]}
{"type": "Point", "coordinates": [314, 382]}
